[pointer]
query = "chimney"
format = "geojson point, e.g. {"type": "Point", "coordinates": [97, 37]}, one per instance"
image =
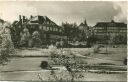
{"type": "Point", "coordinates": [24, 19]}
{"type": "Point", "coordinates": [31, 16]}
{"type": "Point", "coordinates": [112, 21]}
{"type": "Point", "coordinates": [19, 17]}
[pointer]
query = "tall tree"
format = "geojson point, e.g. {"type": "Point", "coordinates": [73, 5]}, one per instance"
{"type": "Point", "coordinates": [16, 30]}
{"type": "Point", "coordinates": [70, 30]}
{"type": "Point", "coordinates": [25, 36]}
{"type": "Point", "coordinates": [6, 45]}
{"type": "Point", "coordinates": [36, 39]}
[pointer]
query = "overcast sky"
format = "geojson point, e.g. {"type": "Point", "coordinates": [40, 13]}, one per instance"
{"type": "Point", "coordinates": [62, 11]}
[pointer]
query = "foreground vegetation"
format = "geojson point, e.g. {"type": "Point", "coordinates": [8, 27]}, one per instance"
{"type": "Point", "coordinates": [6, 45]}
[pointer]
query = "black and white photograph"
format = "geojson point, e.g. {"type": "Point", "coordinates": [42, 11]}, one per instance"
{"type": "Point", "coordinates": [63, 41]}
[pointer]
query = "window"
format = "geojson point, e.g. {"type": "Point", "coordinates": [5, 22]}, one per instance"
{"type": "Point", "coordinates": [53, 29]}
{"type": "Point", "coordinates": [124, 30]}
{"type": "Point", "coordinates": [44, 28]}
{"type": "Point", "coordinates": [56, 29]}
{"type": "Point", "coordinates": [40, 27]}
{"type": "Point", "coordinates": [47, 28]}
{"type": "Point", "coordinates": [60, 30]}
{"type": "Point", "coordinates": [50, 28]}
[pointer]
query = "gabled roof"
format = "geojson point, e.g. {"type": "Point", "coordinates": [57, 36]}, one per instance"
{"type": "Point", "coordinates": [82, 24]}
{"type": "Point", "coordinates": [110, 24]}
{"type": "Point", "coordinates": [33, 19]}
{"type": "Point", "coordinates": [41, 20]}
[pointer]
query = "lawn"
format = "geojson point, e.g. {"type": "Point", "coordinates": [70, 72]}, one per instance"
{"type": "Point", "coordinates": [115, 55]}
{"type": "Point", "coordinates": [29, 60]}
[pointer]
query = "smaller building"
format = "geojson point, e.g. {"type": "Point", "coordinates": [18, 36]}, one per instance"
{"type": "Point", "coordinates": [86, 30]}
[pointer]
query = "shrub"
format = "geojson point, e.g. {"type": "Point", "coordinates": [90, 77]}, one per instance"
{"type": "Point", "coordinates": [70, 62]}
{"type": "Point", "coordinates": [96, 49]}
{"type": "Point", "coordinates": [44, 65]}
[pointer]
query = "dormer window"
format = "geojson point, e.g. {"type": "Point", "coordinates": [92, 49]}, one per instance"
{"type": "Point", "coordinates": [112, 21]}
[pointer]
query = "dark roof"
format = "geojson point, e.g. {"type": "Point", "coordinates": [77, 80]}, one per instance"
{"type": "Point", "coordinates": [2, 21]}
{"type": "Point", "coordinates": [110, 24]}
{"type": "Point", "coordinates": [82, 24]}
{"type": "Point", "coordinates": [43, 20]}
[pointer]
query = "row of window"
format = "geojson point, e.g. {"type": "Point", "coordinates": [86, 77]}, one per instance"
{"type": "Point", "coordinates": [110, 30]}
{"type": "Point", "coordinates": [50, 28]}
{"type": "Point", "coordinates": [108, 33]}
{"type": "Point", "coordinates": [46, 28]}
{"type": "Point", "coordinates": [113, 28]}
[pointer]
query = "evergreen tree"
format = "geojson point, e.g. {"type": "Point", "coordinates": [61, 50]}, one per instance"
{"type": "Point", "coordinates": [36, 39]}
{"type": "Point", "coordinates": [25, 36]}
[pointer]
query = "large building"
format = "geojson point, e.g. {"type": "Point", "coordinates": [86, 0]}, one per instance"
{"type": "Point", "coordinates": [45, 25]}
{"type": "Point", "coordinates": [48, 30]}
{"type": "Point", "coordinates": [102, 29]}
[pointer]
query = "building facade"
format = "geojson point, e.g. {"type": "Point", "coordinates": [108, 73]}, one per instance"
{"type": "Point", "coordinates": [104, 29]}
{"type": "Point", "coordinates": [44, 25]}
{"type": "Point", "coordinates": [47, 30]}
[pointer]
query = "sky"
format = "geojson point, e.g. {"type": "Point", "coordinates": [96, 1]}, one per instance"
{"type": "Point", "coordinates": [66, 11]}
